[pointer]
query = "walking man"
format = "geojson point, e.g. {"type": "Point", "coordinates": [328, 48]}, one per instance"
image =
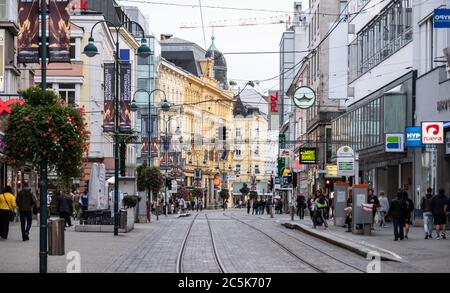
{"type": "Point", "coordinates": [301, 206]}
{"type": "Point", "coordinates": [397, 212]}
{"type": "Point", "coordinates": [25, 202]}
{"type": "Point", "coordinates": [425, 205]}
{"type": "Point", "coordinates": [64, 208]}
{"type": "Point", "coordinates": [383, 209]}
{"type": "Point", "coordinates": [439, 204]}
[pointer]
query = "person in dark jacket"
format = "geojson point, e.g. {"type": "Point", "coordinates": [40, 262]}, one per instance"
{"type": "Point", "coordinates": [425, 205]}
{"type": "Point", "coordinates": [397, 212]}
{"type": "Point", "coordinates": [409, 210]}
{"type": "Point", "coordinates": [65, 208]}
{"type": "Point", "coordinates": [25, 201]}
{"type": "Point", "coordinates": [301, 206]}
{"type": "Point", "coordinates": [439, 204]}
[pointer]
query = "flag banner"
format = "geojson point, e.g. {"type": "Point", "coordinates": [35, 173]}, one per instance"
{"type": "Point", "coordinates": [155, 147]}
{"type": "Point", "coordinates": [125, 98]}
{"type": "Point", "coordinates": [59, 35]}
{"type": "Point", "coordinates": [28, 36]}
{"type": "Point", "coordinates": [109, 89]}
{"type": "Point", "coordinates": [144, 136]}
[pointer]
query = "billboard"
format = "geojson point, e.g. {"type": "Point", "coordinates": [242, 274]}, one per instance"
{"type": "Point", "coordinates": [28, 36]}
{"type": "Point", "coordinates": [144, 136]}
{"type": "Point", "coordinates": [109, 89]}
{"type": "Point", "coordinates": [125, 97]}
{"type": "Point", "coordinates": [308, 156]}
{"type": "Point", "coordinates": [59, 31]}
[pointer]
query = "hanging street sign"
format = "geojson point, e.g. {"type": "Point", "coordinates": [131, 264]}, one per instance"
{"type": "Point", "coordinates": [304, 97]}
{"type": "Point", "coordinates": [394, 143]}
{"type": "Point", "coordinates": [346, 167]}
{"type": "Point", "coordinates": [432, 132]}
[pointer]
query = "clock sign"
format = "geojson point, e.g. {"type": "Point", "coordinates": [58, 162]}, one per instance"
{"type": "Point", "coordinates": [304, 97]}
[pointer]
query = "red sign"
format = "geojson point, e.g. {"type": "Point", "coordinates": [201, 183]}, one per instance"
{"type": "Point", "coordinates": [273, 104]}
{"type": "Point", "coordinates": [6, 106]}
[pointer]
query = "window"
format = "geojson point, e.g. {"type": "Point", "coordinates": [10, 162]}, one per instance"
{"type": "Point", "coordinates": [238, 132]}
{"type": "Point", "coordinates": [383, 37]}
{"type": "Point", "coordinates": [67, 92]}
{"type": "Point", "coordinates": [257, 169]}
{"type": "Point", "coordinates": [238, 169]}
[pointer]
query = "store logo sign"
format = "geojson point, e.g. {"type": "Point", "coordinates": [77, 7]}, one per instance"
{"type": "Point", "coordinates": [432, 132]}
{"type": "Point", "coordinates": [414, 137]}
{"type": "Point", "coordinates": [394, 143]}
{"type": "Point", "coordinates": [442, 18]}
{"type": "Point", "coordinates": [273, 103]}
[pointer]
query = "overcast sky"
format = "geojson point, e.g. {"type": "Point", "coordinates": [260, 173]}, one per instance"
{"type": "Point", "coordinates": [169, 19]}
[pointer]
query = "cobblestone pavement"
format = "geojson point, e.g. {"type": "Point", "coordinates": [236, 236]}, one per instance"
{"type": "Point", "coordinates": [243, 243]}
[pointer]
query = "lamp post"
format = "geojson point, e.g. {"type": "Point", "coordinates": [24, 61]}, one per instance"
{"type": "Point", "coordinates": [143, 51]}
{"type": "Point", "coordinates": [134, 108]}
{"type": "Point", "coordinates": [166, 107]}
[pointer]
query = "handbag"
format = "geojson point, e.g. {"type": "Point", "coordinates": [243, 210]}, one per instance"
{"type": "Point", "coordinates": [12, 213]}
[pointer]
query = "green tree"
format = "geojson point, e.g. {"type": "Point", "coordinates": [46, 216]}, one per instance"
{"type": "Point", "coordinates": [46, 126]}
{"type": "Point", "coordinates": [244, 190]}
{"type": "Point", "coordinates": [224, 193]}
{"type": "Point", "coordinates": [149, 179]}
{"type": "Point", "coordinates": [253, 194]}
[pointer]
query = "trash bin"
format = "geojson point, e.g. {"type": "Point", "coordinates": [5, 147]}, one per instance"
{"type": "Point", "coordinates": [56, 236]}
{"type": "Point", "coordinates": [123, 219]}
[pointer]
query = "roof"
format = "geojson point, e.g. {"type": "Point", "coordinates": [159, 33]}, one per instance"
{"type": "Point", "coordinates": [253, 99]}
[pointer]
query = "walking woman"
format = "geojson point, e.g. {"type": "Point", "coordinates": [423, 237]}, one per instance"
{"type": "Point", "coordinates": [7, 211]}
{"type": "Point", "coordinates": [409, 210]}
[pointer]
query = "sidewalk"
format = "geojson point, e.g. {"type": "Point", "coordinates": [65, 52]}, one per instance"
{"type": "Point", "coordinates": [97, 250]}
{"type": "Point", "coordinates": [432, 254]}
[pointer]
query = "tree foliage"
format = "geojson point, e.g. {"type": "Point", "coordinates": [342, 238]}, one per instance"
{"type": "Point", "coordinates": [253, 194]}
{"type": "Point", "coordinates": [45, 126]}
{"type": "Point", "coordinates": [224, 194]}
{"type": "Point", "coordinates": [244, 190]}
{"type": "Point", "coordinates": [149, 179]}
{"type": "Point", "coordinates": [197, 192]}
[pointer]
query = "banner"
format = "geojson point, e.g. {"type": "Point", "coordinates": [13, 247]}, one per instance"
{"type": "Point", "coordinates": [125, 97]}
{"type": "Point", "coordinates": [155, 147]}
{"type": "Point", "coordinates": [2, 60]}
{"type": "Point", "coordinates": [109, 89]}
{"type": "Point", "coordinates": [144, 136]}
{"type": "Point", "coordinates": [28, 36]}
{"type": "Point", "coordinates": [59, 31]}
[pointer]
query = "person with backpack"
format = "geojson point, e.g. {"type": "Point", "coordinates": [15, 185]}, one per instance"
{"type": "Point", "coordinates": [409, 211]}
{"type": "Point", "coordinates": [319, 207]}
{"type": "Point", "coordinates": [439, 204]}
{"type": "Point", "coordinates": [25, 201]}
{"type": "Point", "coordinates": [425, 205]}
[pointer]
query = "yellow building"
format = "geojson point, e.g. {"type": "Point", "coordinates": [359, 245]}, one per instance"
{"type": "Point", "coordinates": [199, 108]}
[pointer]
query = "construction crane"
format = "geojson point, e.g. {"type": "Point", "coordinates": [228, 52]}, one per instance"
{"type": "Point", "coordinates": [279, 19]}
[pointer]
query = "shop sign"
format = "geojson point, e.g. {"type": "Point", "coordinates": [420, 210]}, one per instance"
{"type": "Point", "coordinates": [273, 103]}
{"type": "Point", "coordinates": [304, 97]}
{"type": "Point", "coordinates": [442, 18]}
{"type": "Point", "coordinates": [414, 137]}
{"type": "Point", "coordinates": [345, 166]}
{"type": "Point", "coordinates": [432, 132]}
{"type": "Point", "coordinates": [308, 156]}
{"type": "Point", "coordinates": [285, 153]}
{"type": "Point", "coordinates": [394, 143]}
{"type": "Point", "coordinates": [332, 171]}
{"type": "Point", "coordinates": [277, 182]}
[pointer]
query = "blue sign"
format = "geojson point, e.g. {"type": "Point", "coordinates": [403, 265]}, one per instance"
{"type": "Point", "coordinates": [442, 18]}
{"type": "Point", "coordinates": [277, 180]}
{"type": "Point", "coordinates": [414, 137]}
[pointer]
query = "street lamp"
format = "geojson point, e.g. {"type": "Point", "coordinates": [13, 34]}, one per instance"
{"type": "Point", "coordinates": [135, 108]}
{"type": "Point", "coordinates": [90, 51]}
{"type": "Point", "coordinates": [165, 106]}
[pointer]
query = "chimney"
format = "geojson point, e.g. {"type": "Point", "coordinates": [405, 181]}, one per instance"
{"type": "Point", "coordinates": [166, 36]}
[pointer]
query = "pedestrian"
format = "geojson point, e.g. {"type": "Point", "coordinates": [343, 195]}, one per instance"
{"type": "Point", "coordinates": [84, 201]}
{"type": "Point", "coordinates": [192, 204]}
{"type": "Point", "coordinates": [64, 208]}
{"type": "Point", "coordinates": [409, 211]}
{"type": "Point", "coordinates": [383, 209]}
{"type": "Point", "coordinates": [7, 211]}
{"type": "Point", "coordinates": [374, 201]}
{"type": "Point", "coordinates": [200, 203]}
{"type": "Point", "coordinates": [427, 213]}
{"type": "Point", "coordinates": [320, 206]}
{"type": "Point", "coordinates": [25, 202]}
{"type": "Point", "coordinates": [263, 206]}
{"type": "Point", "coordinates": [255, 206]}
{"type": "Point", "coordinates": [397, 211]}
{"type": "Point", "coordinates": [301, 206]}
{"type": "Point", "coordinates": [348, 214]}
{"type": "Point", "coordinates": [439, 206]}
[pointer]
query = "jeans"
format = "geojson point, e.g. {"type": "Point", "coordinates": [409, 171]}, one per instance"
{"type": "Point", "coordinates": [398, 228]}
{"type": "Point", "coordinates": [301, 213]}
{"type": "Point", "coordinates": [428, 223]}
{"type": "Point", "coordinates": [382, 216]}
{"type": "Point", "coordinates": [25, 216]}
